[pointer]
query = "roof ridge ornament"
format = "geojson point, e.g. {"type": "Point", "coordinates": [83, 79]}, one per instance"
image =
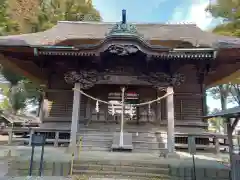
{"type": "Point", "coordinates": [123, 28]}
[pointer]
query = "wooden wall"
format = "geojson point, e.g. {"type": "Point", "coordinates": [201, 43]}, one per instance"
{"type": "Point", "coordinates": [188, 102]}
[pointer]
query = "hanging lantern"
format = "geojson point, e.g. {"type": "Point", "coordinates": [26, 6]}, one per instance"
{"type": "Point", "coordinates": [113, 110]}
{"type": "Point", "coordinates": [131, 110]}
{"type": "Point", "coordinates": [97, 107]}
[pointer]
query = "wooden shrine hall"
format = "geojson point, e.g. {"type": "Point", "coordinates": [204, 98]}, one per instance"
{"type": "Point", "coordinates": [143, 80]}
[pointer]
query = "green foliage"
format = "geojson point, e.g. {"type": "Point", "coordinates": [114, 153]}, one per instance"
{"type": "Point", "coordinates": [34, 16]}
{"type": "Point", "coordinates": [7, 25]}
{"type": "Point", "coordinates": [52, 11]}
{"type": "Point", "coordinates": [216, 124]}
{"type": "Point", "coordinates": [228, 29]}
{"type": "Point", "coordinates": [5, 93]}
{"type": "Point", "coordinates": [228, 10]}
{"type": "Point", "coordinates": [13, 78]}
{"type": "Point", "coordinates": [229, 92]}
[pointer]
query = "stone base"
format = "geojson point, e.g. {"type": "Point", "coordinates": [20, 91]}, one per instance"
{"type": "Point", "coordinates": [127, 142]}
{"type": "Point", "coordinates": [173, 155]}
{"type": "Point", "coordinates": [72, 150]}
{"type": "Point", "coordinates": [121, 148]}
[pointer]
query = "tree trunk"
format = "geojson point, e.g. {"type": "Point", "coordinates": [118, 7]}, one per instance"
{"type": "Point", "coordinates": [223, 99]}
{"type": "Point", "coordinates": [40, 101]}
{"type": "Point", "coordinates": [12, 98]}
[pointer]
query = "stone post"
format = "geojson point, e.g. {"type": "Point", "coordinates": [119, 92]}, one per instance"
{"type": "Point", "coordinates": [170, 120]}
{"type": "Point", "coordinates": [30, 137]}
{"type": "Point", "coordinates": [56, 139]}
{"type": "Point", "coordinates": [10, 136]}
{"type": "Point", "coordinates": [217, 145]}
{"type": "Point", "coordinates": [75, 118]}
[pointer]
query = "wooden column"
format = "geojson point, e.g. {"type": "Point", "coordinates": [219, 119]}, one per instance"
{"type": "Point", "coordinates": [170, 119]}
{"type": "Point", "coordinates": [88, 116]}
{"type": "Point", "coordinates": [158, 109]}
{"type": "Point", "coordinates": [75, 117]}
{"type": "Point", "coordinates": [204, 100]}
{"type": "Point", "coordinates": [230, 141]}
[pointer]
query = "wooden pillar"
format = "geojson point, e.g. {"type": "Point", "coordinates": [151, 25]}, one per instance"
{"type": "Point", "coordinates": [230, 141]}
{"type": "Point", "coordinates": [88, 112]}
{"type": "Point", "coordinates": [158, 109]}
{"type": "Point", "coordinates": [75, 117]}
{"type": "Point", "coordinates": [170, 119]}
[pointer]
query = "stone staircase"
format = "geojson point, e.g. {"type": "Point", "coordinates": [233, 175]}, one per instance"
{"type": "Point", "coordinates": [121, 169]}
{"type": "Point", "coordinates": [101, 140]}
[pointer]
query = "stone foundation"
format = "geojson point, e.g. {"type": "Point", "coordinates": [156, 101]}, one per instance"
{"type": "Point", "coordinates": [101, 168]}
{"type": "Point", "coordinates": [21, 168]}
{"type": "Point", "coordinates": [186, 173]}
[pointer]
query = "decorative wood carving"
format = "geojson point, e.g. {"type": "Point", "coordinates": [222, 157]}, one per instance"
{"type": "Point", "coordinates": [160, 79]}
{"type": "Point", "coordinates": [87, 78]}
{"type": "Point", "coordinates": [122, 50]}
{"type": "Point", "coordinates": [124, 29]}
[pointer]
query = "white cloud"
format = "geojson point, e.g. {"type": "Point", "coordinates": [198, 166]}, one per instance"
{"type": "Point", "coordinates": [195, 13]}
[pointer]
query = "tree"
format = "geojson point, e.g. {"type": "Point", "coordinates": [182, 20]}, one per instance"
{"type": "Point", "coordinates": [229, 11]}
{"type": "Point", "coordinates": [7, 25]}
{"type": "Point", "coordinates": [34, 16]}
{"type": "Point", "coordinates": [19, 93]}
{"type": "Point", "coordinates": [40, 15]}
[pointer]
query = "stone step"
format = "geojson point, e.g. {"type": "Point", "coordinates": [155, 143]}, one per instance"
{"type": "Point", "coordinates": [106, 131]}
{"type": "Point", "coordinates": [161, 152]}
{"type": "Point", "coordinates": [96, 141]}
{"type": "Point", "coordinates": [129, 175]}
{"type": "Point", "coordinates": [136, 163]}
{"type": "Point", "coordinates": [143, 142]}
{"type": "Point", "coordinates": [121, 168]}
{"type": "Point", "coordinates": [94, 148]}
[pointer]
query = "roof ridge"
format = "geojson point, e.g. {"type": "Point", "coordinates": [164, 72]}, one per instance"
{"type": "Point", "coordinates": [182, 22]}
{"type": "Point", "coordinates": [135, 23]}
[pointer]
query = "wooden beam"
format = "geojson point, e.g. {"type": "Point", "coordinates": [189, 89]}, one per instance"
{"type": "Point", "coordinates": [230, 140]}
{"type": "Point", "coordinates": [235, 123]}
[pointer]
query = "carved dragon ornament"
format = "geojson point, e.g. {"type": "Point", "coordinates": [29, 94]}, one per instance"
{"type": "Point", "coordinates": [88, 78]}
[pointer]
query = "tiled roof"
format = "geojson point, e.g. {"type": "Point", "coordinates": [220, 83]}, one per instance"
{"type": "Point", "coordinates": [93, 30]}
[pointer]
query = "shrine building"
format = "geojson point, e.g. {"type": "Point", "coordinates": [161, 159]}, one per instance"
{"type": "Point", "coordinates": [100, 59]}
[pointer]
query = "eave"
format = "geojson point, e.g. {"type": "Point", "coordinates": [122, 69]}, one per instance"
{"type": "Point", "coordinates": [233, 78]}
{"type": "Point", "coordinates": [194, 53]}
{"type": "Point", "coordinates": [12, 64]}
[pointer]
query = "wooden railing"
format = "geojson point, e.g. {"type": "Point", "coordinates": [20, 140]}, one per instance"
{"type": "Point", "coordinates": [213, 141]}
{"type": "Point", "coordinates": [26, 134]}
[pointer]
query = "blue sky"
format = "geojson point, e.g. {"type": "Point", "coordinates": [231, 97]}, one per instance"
{"type": "Point", "coordinates": [160, 11]}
